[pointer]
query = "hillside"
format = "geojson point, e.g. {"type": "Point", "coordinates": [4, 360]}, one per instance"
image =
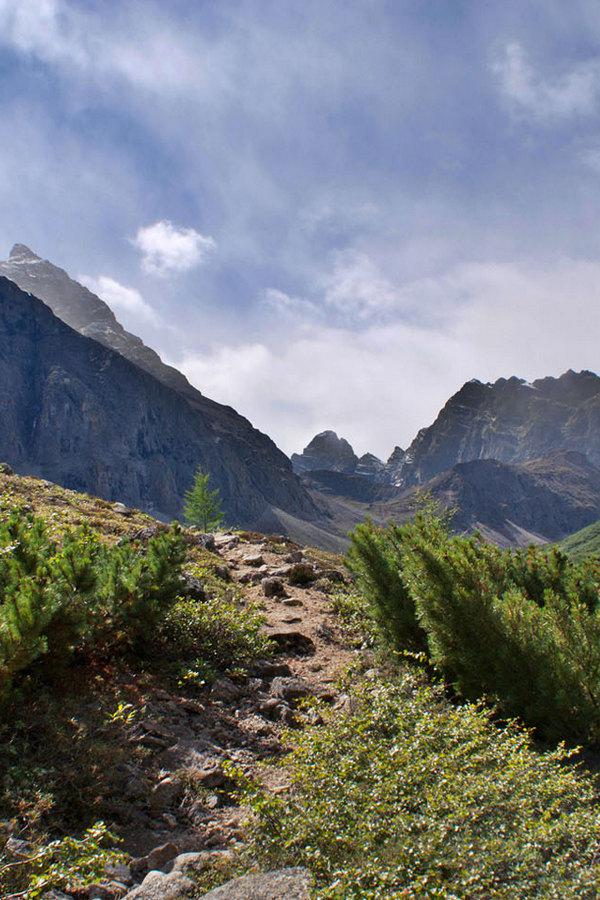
{"type": "Point", "coordinates": [81, 415]}
{"type": "Point", "coordinates": [240, 696]}
{"type": "Point", "coordinates": [584, 543]}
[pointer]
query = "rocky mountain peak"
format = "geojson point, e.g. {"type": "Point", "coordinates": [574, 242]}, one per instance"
{"type": "Point", "coordinates": [87, 313]}
{"type": "Point", "coordinates": [326, 451]}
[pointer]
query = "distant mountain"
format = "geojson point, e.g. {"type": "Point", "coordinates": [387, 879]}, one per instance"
{"type": "Point", "coordinates": [533, 502]}
{"type": "Point", "coordinates": [80, 414]}
{"type": "Point", "coordinates": [326, 451]}
{"type": "Point", "coordinates": [510, 421]}
{"type": "Point", "coordinates": [86, 313]}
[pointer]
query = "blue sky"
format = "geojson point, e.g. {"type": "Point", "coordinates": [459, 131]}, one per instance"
{"type": "Point", "coordinates": [328, 214]}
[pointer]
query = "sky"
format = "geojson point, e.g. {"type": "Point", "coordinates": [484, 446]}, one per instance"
{"type": "Point", "coordinates": [329, 214]}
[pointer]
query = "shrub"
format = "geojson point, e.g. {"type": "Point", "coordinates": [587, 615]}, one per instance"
{"type": "Point", "coordinates": [56, 599]}
{"type": "Point", "coordinates": [520, 628]}
{"type": "Point", "coordinates": [211, 636]}
{"type": "Point", "coordinates": [409, 796]}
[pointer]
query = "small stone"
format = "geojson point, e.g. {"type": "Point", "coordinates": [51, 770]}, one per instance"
{"type": "Point", "coordinates": [273, 587]}
{"type": "Point", "coordinates": [253, 559]}
{"type": "Point", "coordinates": [111, 890]}
{"type": "Point", "coordinates": [292, 601]}
{"type": "Point", "coordinates": [223, 573]}
{"type": "Point", "coordinates": [284, 884]}
{"type": "Point", "coordinates": [17, 848]}
{"type": "Point", "coordinates": [301, 573]}
{"type": "Point", "coordinates": [225, 689]}
{"type": "Point", "coordinates": [121, 509]}
{"type": "Point", "coordinates": [156, 859]}
{"type": "Point", "coordinates": [118, 872]}
{"type": "Point", "coordinates": [290, 640]}
{"type": "Point", "coordinates": [294, 556]}
{"type": "Point", "coordinates": [267, 669]}
{"type": "Point", "coordinates": [192, 587]}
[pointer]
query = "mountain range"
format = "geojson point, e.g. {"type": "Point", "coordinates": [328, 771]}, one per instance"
{"type": "Point", "coordinates": [90, 406]}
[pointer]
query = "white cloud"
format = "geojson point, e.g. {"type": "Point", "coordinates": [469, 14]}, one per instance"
{"type": "Point", "coordinates": [572, 93]}
{"type": "Point", "coordinates": [167, 249]}
{"type": "Point", "coordinates": [120, 298]}
{"type": "Point", "coordinates": [378, 386]}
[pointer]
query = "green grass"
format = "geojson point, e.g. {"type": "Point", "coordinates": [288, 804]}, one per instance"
{"type": "Point", "coordinates": [584, 543]}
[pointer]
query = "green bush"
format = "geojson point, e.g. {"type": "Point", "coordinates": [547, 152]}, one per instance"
{"type": "Point", "coordinates": [519, 628]}
{"type": "Point", "coordinates": [59, 598]}
{"type": "Point", "coordinates": [211, 636]}
{"type": "Point", "coordinates": [410, 796]}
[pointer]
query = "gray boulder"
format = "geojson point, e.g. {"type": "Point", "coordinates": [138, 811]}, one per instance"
{"type": "Point", "coordinates": [285, 884]}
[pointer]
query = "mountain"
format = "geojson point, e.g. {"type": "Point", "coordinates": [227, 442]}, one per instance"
{"type": "Point", "coordinates": [86, 313]}
{"type": "Point", "coordinates": [537, 501]}
{"type": "Point", "coordinates": [584, 543]}
{"type": "Point", "coordinates": [326, 451]}
{"type": "Point", "coordinates": [79, 413]}
{"type": "Point", "coordinates": [510, 421]}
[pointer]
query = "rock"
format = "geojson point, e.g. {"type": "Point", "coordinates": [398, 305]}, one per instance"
{"type": "Point", "coordinates": [273, 587]}
{"type": "Point", "coordinates": [111, 890]}
{"type": "Point", "coordinates": [285, 884]}
{"type": "Point", "coordinates": [267, 669]}
{"type": "Point", "coordinates": [192, 587]}
{"type": "Point", "coordinates": [225, 689]}
{"type": "Point", "coordinates": [301, 573]}
{"type": "Point", "coordinates": [253, 559]}
{"type": "Point", "coordinates": [294, 556]}
{"type": "Point", "coordinates": [145, 534]}
{"type": "Point", "coordinates": [293, 641]}
{"type": "Point", "coordinates": [198, 862]}
{"type": "Point", "coordinates": [165, 792]}
{"type": "Point", "coordinates": [158, 886]}
{"type": "Point", "coordinates": [222, 572]}
{"type": "Point", "coordinates": [5, 469]}
{"type": "Point", "coordinates": [292, 601]}
{"type": "Point", "coordinates": [56, 895]}
{"type": "Point", "coordinates": [271, 708]}
{"type": "Point", "coordinates": [291, 689]}
{"type": "Point", "coordinates": [281, 571]}
{"type": "Point", "coordinates": [156, 859]}
{"type": "Point", "coordinates": [201, 539]}
{"type": "Point", "coordinates": [118, 872]}
{"type": "Point", "coordinates": [121, 509]}
{"type": "Point", "coordinates": [333, 575]}
{"type": "Point", "coordinates": [17, 848]}
{"type": "Point", "coordinates": [226, 541]}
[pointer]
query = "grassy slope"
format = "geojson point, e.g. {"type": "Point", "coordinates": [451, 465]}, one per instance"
{"type": "Point", "coordinates": [583, 543]}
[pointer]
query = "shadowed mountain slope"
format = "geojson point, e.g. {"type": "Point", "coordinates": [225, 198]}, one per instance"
{"type": "Point", "coordinates": [80, 414]}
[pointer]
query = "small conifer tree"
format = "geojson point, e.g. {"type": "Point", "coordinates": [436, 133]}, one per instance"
{"type": "Point", "coordinates": [202, 505]}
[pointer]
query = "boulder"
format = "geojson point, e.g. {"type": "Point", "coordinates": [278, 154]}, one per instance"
{"type": "Point", "coordinates": [192, 587]}
{"type": "Point", "coordinates": [121, 509]}
{"type": "Point", "coordinates": [273, 587]}
{"type": "Point", "coordinates": [293, 641]}
{"type": "Point", "coordinates": [158, 886]}
{"type": "Point", "coordinates": [285, 884]}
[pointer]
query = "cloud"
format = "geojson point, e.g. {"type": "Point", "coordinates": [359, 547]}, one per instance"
{"type": "Point", "coordinates": [167, 249]}
{"type": "Point", "coordinates": [379, 385]}
{"type": "Point", "coordinates": [572, 93]}
{"type": "Point", "coordinates": [120, 298]}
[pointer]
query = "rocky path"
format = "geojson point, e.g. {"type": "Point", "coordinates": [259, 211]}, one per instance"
{"type": "Point", "coordinates": [178, 796]}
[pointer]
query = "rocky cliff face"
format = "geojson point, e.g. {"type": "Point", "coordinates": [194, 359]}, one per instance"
{"type": "Point", "coordinates": [510, 421]}
{"type": "Point", "coordinates": [86, 313]}
{"type": "Point", "coordinates": [80, 414]}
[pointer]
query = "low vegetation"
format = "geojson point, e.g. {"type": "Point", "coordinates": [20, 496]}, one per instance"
{"type": "Point", "coordinates": [406, 795]}
{"type": "Point", "coordinates": [519, 628]}
{"type": "Point", "coordinates": [583, 544]}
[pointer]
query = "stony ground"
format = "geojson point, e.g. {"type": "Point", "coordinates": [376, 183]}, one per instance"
{"type": "Point", "coordinates": [165, 782]}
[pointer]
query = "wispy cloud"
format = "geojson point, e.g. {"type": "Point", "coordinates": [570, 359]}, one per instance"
{"type": "Point", "coordinates": [574, 92]}
{"type": "Point", "coordinates": [120, 298]}
{"type": "Point", "coordinates": [166, 249]}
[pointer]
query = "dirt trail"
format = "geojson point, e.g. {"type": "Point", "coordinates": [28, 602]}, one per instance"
{"type": "Point", "coordinates": [180, 793]}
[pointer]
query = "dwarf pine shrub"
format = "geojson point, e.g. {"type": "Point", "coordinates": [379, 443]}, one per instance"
{"type": "Point", "coordinates": [519, 628]}
{"type": "Point", "coordinates": [57, 598]}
